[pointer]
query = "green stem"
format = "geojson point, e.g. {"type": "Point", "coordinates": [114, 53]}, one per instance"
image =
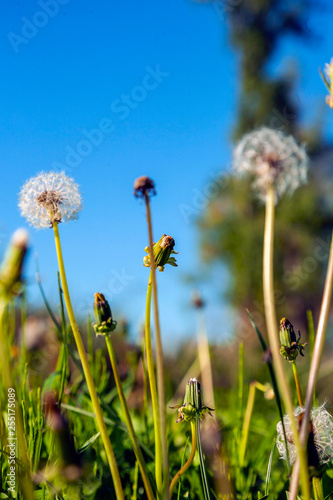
{"type": "Point", "coordinates": [315, 363]}
{"type": "Point", "coordinates": [128, 419]}
{"type": "Point", "coordinates": [246, 423]}
{"type": "Point", "coordinates": [273, 335]}
{"type": "Point", "coordinates": [159, 359]}
{"type": "Point", "coordinates": [86, 370]}
{"type": "Point", "coordinates": [153, 391]}
{"type": "Point", "coordinates": [317, 488]}
{"type": "Point", "coordinates": [189, 461]}
{"type": "Point", "coordinates": [297, 383]}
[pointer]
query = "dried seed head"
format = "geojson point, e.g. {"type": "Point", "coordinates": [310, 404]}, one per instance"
{"type": "Point", "coordinates": [197, 300]}
{"type": "Point", "coordinates": [321, 427]}
{"type": "Point", "coordinates": [48, 198]}
{"type": "Point", "coordinates": [144, 186]}
{"type": "Point", "coordinates": [271, 159]}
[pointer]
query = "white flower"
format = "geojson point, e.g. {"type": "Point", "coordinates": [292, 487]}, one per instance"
{"type": "Point", "coordinates": [322, 425]}
{"type": "Point", "coordinates": [271, 158]}
{"type": "Point", "coordinates": [50, 197]}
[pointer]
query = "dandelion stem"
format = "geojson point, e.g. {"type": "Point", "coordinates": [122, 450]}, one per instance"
{"type": "Point", "coordinates": [153, 390]}
{"type": "Point", "coordinates": [189, 461]}
{"type": "Point", "coordinates": [317, 488]}
{"type": "Point", "coordinates": [315, 362]}
{"type": "Point", "coordinates": [87, 372]}
{"type": "Point", "coordinates": [273, 334]}
{"type": "Point", "coordinates": [297, 383]}
{"type": "Point", "coordinates": [159, 357]}
{"type": "Point", "coordinates": [128, 419]}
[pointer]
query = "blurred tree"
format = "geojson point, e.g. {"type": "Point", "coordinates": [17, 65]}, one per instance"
{"type": "Point", "coordinates": [257, 27]}
{"type": "Point", "coordinates": [232, 224]}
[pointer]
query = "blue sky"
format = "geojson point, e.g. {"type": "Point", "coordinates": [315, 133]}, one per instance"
{"type": "Point", "coordinates": [110, 91]}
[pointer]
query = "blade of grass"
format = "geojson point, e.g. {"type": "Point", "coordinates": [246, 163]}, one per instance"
{"type": "Point", "coordinates": [273, 379]}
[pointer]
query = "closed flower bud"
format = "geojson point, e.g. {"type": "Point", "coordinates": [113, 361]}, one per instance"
{"type": "Point", "coordinates": [11, 267]}
{"type": "Point", "coordinates": [290, 346]}
{"type": "Point", "coordinates": [163, 249]}
{"type": "Point", "coordinates": [192, 405]}
{"type": "Point", "coordinates": [327, 77]}
{"type": "Point", "coordinates": [103, 316]}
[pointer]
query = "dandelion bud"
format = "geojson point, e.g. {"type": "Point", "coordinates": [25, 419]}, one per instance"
{"type": "Point", "coordinates": [192, 405]}
{"type": "Point", "coordinates": [328, 80]}
{"type": "Point", "coordinates": [290, 346]}
{"type": "Point", "coordinates": [162, 251]}
{"type": "Point", "coordinates": [11, 267]}
{"type": "Point", "coordinates": [103, 316]}
{"type": "Point", "coordinates": [144, 186]}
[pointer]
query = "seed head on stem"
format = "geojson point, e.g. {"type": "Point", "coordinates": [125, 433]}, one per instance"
{"type": "Point", "coordinates": [144, 186]}
{"type": "Point", "coordinates": [271, 158]}
{"type": "Point", "coordinates": [48, 198]}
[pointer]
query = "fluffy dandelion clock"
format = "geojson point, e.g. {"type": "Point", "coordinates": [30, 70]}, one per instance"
{"type": "Point", "coordinates": [272, 159]}
{"type": "Point", "coordinates": [48, 198]}
{"type": "Point", "coordinates": [321, 435]}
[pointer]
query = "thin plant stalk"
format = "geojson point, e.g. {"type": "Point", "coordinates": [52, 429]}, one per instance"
{"type": "Point", "coordinates": [247, 419]}
{"type": "Point", "coordinates": [315, 363]}
{"type": "Point", "coordinates": [240, 384]}
{"type": "Point", "coordinates": [273, 335]}
{"type": "Point", "coordinates": [153, 390]}
{"type": "Point", "coordinates": [86, 369]}
{"type": "Point", "coordinates": [204, 359]}
{"type": "Point", "coordinates": [131, 431]}
{"type": "Point", "coordinates": [246, 423]}
{"type": "Point", "coordinates": [159, 357]}
{"type": "Point", "coordinates": [25, 482]}
{"type": "Point", "coordinates": [297, 383]}
{"type": "Point", "coordinates": [317, 488]}
{"type": "Point", "coordinates": [189, 461]}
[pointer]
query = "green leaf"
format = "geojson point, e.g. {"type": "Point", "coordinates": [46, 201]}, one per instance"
{"type": "Point", "coordinates": [88, 443]}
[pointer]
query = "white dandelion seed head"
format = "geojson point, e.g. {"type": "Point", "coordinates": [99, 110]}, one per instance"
{"type": "Point", "coordinates": [50, 197]}
{"type": "Point", "coordinates": [271, 158]}
{"type": "Point", "coordinates": [322, 423]}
